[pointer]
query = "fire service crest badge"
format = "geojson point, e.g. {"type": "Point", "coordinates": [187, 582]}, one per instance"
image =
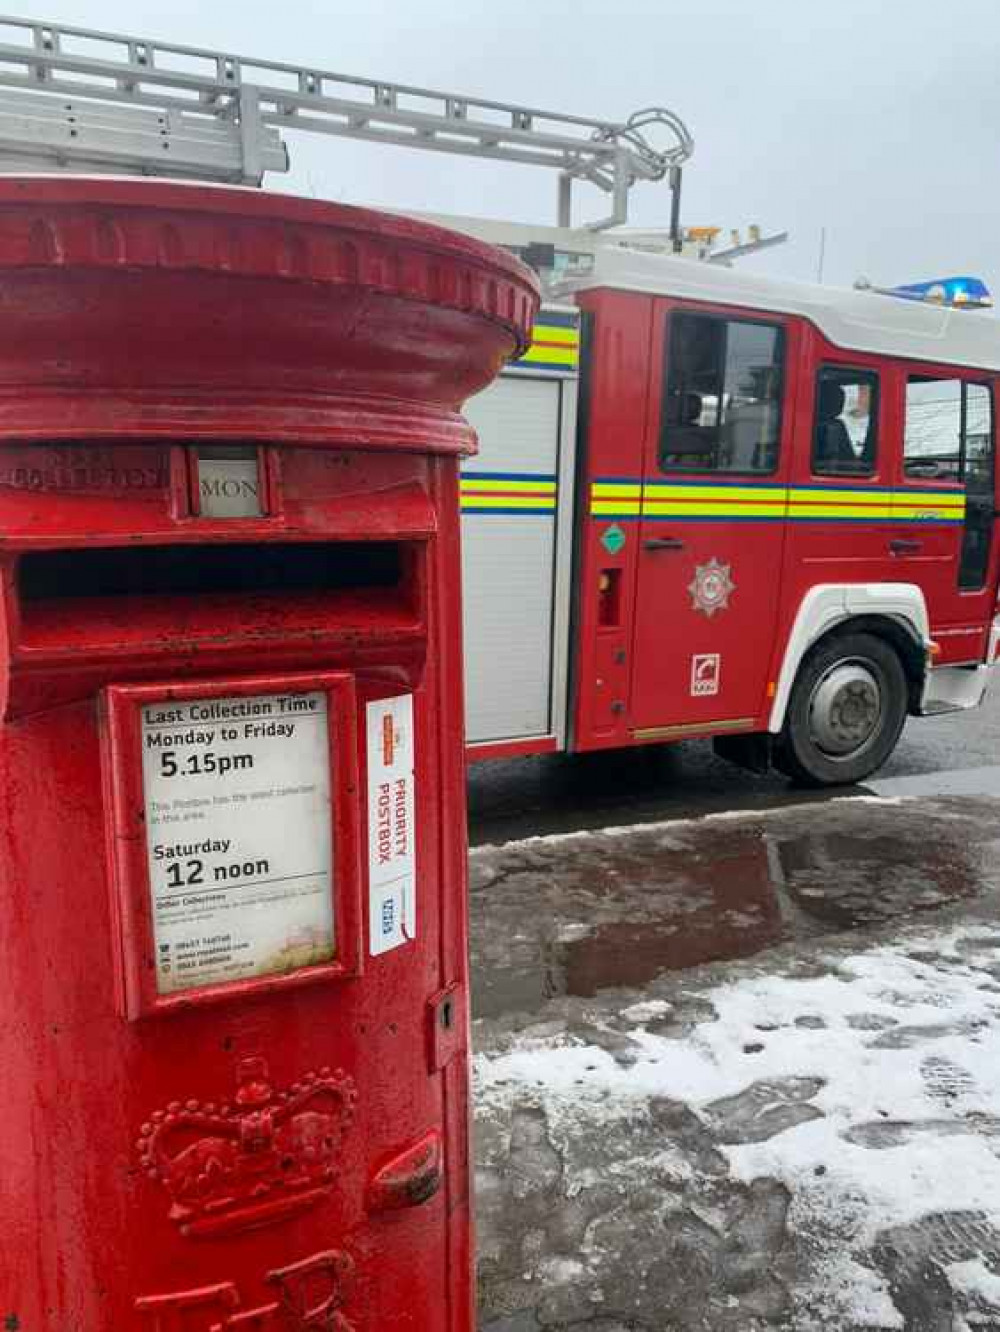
{"type": "Point", "coordinates": [711, 587]}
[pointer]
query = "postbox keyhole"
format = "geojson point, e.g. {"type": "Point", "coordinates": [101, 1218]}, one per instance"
{"type": "Point", "coordinates": [447, 1014]}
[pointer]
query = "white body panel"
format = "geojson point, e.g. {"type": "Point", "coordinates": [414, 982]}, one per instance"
{"type": "Point", "coordinates": [516, 562]}
{"type": "Point", "coordinates": [858, 320]}
{"type": "Point", "coordinates": [830, 604]}
{"type": "Point", "coordinates": [955, 688]}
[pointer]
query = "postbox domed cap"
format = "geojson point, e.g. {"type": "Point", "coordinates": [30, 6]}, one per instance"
{"type": "Point", "coordinates": [139, 309]}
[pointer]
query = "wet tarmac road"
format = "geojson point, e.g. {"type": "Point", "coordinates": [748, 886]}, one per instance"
{"type": "Point", "coordinates": [576, 916]}
{"type": "Point", "coordinates": [699, 1042]}
{"type": "Point", "coordinates": [526, 797]}
{"type": "Point", "coordinates": [688, 919]}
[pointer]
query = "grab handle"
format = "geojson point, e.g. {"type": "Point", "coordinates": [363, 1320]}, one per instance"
{"type": "Point", "coordinates": [663, 543]}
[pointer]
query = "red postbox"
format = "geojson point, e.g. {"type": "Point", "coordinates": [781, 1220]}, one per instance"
{"type": "Point", "coordinates": [233, 1030]}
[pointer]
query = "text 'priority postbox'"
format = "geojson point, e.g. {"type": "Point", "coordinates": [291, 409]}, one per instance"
{"type": "Point", "coordinates": [234, 1025]}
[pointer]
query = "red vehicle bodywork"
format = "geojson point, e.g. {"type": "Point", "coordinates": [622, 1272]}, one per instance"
{"type": "Point", "coordinates": [636, 632]}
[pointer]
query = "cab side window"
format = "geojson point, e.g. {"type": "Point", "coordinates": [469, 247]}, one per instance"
{"type": "Point", "coordinates": [845, 428]}
{"type": "Point", "coordinates": [722, 400]}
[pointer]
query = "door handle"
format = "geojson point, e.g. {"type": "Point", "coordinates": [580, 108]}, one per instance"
{"type": "Point", "coordinates": [409, 1179]}
{"type": "Point", "coordinates": [663, 543]}
{"type": "Point", "coordinates": [903, 547]}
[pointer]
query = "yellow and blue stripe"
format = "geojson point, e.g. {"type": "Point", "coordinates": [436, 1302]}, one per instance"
{"type": "Point", "coordinates": [555, 344]}
{"type": "Point", "coordinates": [522, 493]}
{"type": "Point", "coordinates": [622, 498]}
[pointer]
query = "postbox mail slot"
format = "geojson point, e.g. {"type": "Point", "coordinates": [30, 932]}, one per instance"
{"type": "Point", "coordinates": [120, 613]}
{"type": "Point", "coordinates": [182, 570]}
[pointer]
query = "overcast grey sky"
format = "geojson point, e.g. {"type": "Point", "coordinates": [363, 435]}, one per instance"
{"type": "Point", "coordinates": [877, 120]}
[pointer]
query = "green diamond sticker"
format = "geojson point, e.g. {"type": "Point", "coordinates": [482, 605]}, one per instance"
{"type": "Point", "coordinates": [612, 539]}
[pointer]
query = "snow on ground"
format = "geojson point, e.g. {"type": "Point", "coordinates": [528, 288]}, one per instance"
{"type": "Point", "coordinates": [869, 1088]}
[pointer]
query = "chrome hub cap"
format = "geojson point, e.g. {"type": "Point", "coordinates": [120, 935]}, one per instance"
{"type": "Point", "coordinates": [845, 709]}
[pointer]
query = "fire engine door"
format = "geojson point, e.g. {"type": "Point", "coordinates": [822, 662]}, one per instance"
{"type": "Point", "coordinates": [943, 507]}
{"type": "Point", "coordinates": [712, 524]}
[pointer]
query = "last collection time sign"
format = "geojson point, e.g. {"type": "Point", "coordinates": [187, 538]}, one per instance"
{"type": "Point", "coordinates": [239, 837]}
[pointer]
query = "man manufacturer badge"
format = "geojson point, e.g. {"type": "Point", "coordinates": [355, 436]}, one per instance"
{"type": "Point", "coordinates": [706, 667]}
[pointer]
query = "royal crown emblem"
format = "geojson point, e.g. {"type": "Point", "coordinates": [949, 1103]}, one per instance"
{"type": "Point", "coordinates": [711, 587]}
{"type": "Point", "coordinates": [260, 1158]}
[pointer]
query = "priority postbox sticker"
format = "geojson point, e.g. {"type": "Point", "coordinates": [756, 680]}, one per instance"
{"type": "Point", "coordinates": [239, 836]}
{"type": "Point", "coordinates": [392, 888]}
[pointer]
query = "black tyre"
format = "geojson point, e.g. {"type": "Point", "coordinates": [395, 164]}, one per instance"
{"type": "Point", "coordinates": [847, 708]}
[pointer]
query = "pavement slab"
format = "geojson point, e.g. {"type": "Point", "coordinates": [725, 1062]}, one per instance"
{"type": "Point", "coordinates": [742, 1073]}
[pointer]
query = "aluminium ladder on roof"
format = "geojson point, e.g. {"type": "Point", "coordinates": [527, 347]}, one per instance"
{"type": "Point", "coordinates": [89, 100]}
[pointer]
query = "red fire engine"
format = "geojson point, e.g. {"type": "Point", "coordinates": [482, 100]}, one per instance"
{"type": "Point", "coordinates": [712, 504]}
{"type": "Point", "coordinates": [705, 504]}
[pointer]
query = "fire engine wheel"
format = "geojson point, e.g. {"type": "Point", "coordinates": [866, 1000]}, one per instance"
{"type": "Point", "coordinates": [847, 708]}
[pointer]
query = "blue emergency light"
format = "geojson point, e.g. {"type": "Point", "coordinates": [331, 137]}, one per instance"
{"type": "Point", "coordinates": [968, 291]}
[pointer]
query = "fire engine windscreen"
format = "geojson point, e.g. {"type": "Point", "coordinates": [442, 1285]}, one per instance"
{"type": "Point", "coordinates": [722, 407]}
